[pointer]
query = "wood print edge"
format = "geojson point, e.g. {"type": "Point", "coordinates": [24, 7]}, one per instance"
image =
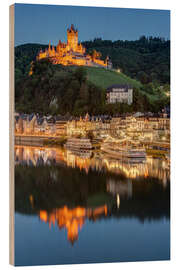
{"type": "Point", "coordinates": [11, 134]}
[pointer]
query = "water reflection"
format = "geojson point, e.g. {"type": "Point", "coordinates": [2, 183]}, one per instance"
{"type": "Point", "coordinates": [37, 156]}
{"type": "Point", "coordinates": [65, 189]}
{"type": "Point", "coordinates": [122, 188]}
{"type": "Point", "coordinates": [72, 219]}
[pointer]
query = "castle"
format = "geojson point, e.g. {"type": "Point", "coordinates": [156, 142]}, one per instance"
{"type": "Point", "coordinates": [73, 53]}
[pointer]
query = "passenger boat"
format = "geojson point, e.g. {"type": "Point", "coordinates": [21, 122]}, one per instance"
{"type": "Point", "coordinates": [124, 152]}
{"type": "Point", "coordinates": [82, 153]}
{"type": "Point", "coordinates": [82, 144]}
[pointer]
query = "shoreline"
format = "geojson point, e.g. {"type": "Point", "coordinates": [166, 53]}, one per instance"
{"type": "Point", "coordinates": [42, 140]}
{"type": "Point", "coordinates": [32, 140]}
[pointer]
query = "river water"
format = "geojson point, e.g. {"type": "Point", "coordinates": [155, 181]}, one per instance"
{"type": "Point", "coordinates": [89, 208]}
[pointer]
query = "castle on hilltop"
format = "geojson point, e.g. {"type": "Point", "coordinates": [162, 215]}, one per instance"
{"type": "Point", "coordinates": [73, 53]}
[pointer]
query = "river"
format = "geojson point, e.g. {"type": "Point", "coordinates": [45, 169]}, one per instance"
{"type": "Point", "coordinates": [89, 208]}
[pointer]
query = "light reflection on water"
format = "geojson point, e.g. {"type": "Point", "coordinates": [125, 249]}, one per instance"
{"type": "Point", "coordinates": [46, 156]}
{"type": "Point", "coordinates": [74, 192]}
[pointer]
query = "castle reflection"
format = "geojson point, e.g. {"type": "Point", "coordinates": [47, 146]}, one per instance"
{"type": "Point", "coordinates": [37, 156]}
{"type": "Point", "coordinates": [72, 219]}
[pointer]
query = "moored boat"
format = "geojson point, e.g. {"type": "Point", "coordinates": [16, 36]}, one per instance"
{"type": "Point", "coordinates": [126, 153]}
{"type": "Point", "coordinates": [78, 144]}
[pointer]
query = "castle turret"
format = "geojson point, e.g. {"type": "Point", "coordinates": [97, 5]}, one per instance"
{"type": "Point", "coordinates": [108, 63]}
{"type": "Point", "coordinates": [53, 51]}
{"type": "Point", "coordinates": [49, 49]}
{"type": "Point", "coordinates": [72, 38]}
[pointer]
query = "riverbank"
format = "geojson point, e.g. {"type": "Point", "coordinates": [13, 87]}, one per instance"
{"type": "Point", "coordinates": [60, 141]}
{"type": "Point", "coordinates": [29, 140]}
{"type": "Point", "coordinates": [39, 140]}
{"type": "Point", "coordinates": [46, 141]}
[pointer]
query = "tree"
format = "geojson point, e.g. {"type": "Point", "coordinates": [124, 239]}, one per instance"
{"type": "Point", "coordinates": [143, 77]}
{"type": "Point", "coordinates": [80, 74]}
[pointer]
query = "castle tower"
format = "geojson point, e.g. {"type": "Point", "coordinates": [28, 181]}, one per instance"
{"type": "Point", "coordinates": [53, 51]}
{"type": "Point", "coordinates": [72, 38]}
{"type": "Point", "coordinates": [49, 49]}
{"type": "Point", "coordinates": [108, 63]}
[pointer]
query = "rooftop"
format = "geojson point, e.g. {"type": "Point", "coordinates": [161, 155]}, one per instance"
{"type": "Point", "coordinates": [125, 87]}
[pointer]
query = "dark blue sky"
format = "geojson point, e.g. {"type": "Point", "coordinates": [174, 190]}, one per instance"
{"type": "Point", "coordinates": [44, 23]}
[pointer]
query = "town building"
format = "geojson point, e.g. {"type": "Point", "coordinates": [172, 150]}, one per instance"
{"type": "Point", "coordinates": [99, 126]}
{"type": "Point", "coordinates": [119, 93]}
{"type": "Point", "coordinates": [142, 128]}
{"type": "Point", "coordinates": [60, 124]}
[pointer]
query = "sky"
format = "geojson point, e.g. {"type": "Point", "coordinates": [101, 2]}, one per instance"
{"type": "Point", "coordinates": [44, 23]}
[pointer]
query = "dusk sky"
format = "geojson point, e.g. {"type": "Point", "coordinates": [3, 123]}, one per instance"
{"type": "Point", "coordinates": [44, 23]}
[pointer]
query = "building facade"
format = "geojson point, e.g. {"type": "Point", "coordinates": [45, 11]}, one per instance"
{"type": "Point", "coordinates": [148, 129]}
{"type": "Point", "coordinates": [119, 93]}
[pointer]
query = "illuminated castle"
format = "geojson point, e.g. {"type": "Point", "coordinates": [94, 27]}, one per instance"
{"type": "Point", "coordinates": [72, 53]}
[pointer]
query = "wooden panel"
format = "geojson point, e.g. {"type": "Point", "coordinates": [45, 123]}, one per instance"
{"type": "Point", "coordinates": [11, 135]}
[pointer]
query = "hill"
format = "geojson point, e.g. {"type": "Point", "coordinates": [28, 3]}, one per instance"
{"type": "Point", "coordinates": [57, 89]}
{"type": "Point", "coordinates": [148, 56]}
{"type": "Point", "coordinates": [144, 64]}
{"type": "Point", "coordinates": [146, 59]}
{"type": "Point", "coordinates": [104, 78]}
{"type": "Point", "coordinates": [24, 55]}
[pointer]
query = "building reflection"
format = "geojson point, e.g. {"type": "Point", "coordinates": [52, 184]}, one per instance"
{"type": "Point", "coordinates": [72, 219]}
{"type": "Point", "coordinates": [123, 189]}
{"type": "Point", "coordinates": [120, 189]}
{"type": "Point", "coordinates": [37, 156]}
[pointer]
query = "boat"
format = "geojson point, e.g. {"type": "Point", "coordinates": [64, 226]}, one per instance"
{"type": "Point", "coordinates": [82, 153]}
{"type": "Point", "coordinates": [82, 144]}
{"type": "Point", "coordinates": [134, 154]}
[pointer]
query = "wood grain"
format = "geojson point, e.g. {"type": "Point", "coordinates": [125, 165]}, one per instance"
{"type": "Point", "coordinates": [11, 135]}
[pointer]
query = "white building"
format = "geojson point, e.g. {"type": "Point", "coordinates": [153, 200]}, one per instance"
{"type": "Point", "coordinates": [119, 93]}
